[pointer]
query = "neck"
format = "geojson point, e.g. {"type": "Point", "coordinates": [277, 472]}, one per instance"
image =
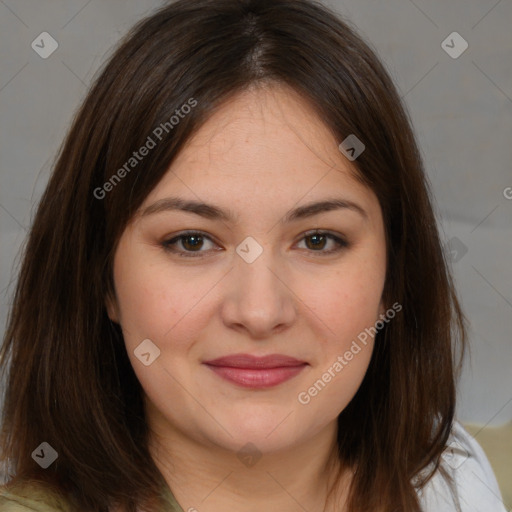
{"type": "Point", "coordinates": [207, 478]}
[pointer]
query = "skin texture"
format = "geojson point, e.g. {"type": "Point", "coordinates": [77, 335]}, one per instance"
{"type": "Point", "coordinates": [263, 153]}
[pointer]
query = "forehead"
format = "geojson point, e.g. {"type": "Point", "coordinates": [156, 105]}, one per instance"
{"type": "Point", "coordinates": [268, 129]}
{"type": "Point", "coordinates": [272, 119]}
{"type": "Point", "coordinates": [265, 145]}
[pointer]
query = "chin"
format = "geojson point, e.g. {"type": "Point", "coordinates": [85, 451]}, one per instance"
{"type": "Point", "coordinates": [268, 430]}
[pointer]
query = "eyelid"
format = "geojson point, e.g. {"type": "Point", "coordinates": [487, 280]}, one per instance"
{"type": "Point", "coordinates": [167, 242]}
{"type": "Point", "coordinates": [339, 239]}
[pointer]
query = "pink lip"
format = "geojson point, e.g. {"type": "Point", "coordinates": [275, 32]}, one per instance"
{"type": "Point", "coordinates": [256, 372]}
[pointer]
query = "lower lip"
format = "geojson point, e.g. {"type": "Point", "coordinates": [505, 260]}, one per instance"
{"type": "Point", "coordinates": [257, 378]}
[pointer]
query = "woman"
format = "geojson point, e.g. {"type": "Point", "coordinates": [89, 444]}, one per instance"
{"type": "Point", "coordinates": [234, 295]}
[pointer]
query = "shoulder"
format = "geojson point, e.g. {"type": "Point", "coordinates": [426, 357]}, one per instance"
{"type": "Point", "coordinates": [474, 482]}
{"type": "Point", "coordinates": [31, 496]}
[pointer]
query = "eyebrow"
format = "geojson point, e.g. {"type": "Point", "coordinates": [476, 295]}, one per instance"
{"type": "Point", "coordinates": [213, 212]}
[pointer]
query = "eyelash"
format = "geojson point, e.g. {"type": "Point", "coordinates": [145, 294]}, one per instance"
{"type": "Point", "coordinates": [167, 244]}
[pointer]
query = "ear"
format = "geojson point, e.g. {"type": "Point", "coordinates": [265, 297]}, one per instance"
{"type": "Point", "coordinates": [382, 307]}
{"type": "Point", "coordinates": [111, 307]}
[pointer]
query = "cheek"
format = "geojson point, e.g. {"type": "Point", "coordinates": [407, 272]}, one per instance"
{"type": "Point", "coordinates": [347, 302]}
{"type": "Point", "coordinates": [170, 311]}
{"type": "Point", "coordinates": [168, 306]}
{"type": "Point", "coordinates": [158, 304]}
{"type": "Point", "coordinates": [327, 394]}
{"type": "Point", "coordinates": [347, 312]}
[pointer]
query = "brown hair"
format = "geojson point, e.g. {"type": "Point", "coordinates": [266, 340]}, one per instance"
{"type": "Point", "coordinates": [70, 381]}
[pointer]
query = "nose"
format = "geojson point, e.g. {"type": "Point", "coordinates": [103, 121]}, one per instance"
{"type": "Point", "coordinates": [259, 300]}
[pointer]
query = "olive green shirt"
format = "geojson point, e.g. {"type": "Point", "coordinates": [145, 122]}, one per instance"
{"type": "Point", "coordinates": [32, 497]}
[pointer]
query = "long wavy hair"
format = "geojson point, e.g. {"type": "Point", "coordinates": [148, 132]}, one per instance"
{"type": "Point", "coordinates": [69, 381]}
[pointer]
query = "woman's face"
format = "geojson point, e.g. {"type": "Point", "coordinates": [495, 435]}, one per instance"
{"type": "Point", "coordinates": [252, 279]}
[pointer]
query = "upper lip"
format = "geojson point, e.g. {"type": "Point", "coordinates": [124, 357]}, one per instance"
{"type": "Point", "coordinates": [256, 362]}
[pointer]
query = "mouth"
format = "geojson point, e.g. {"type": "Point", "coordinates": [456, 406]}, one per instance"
{"type": "Point", "coordinates": [256, 372]}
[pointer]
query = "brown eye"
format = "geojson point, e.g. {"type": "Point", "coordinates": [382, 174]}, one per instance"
{"type": "Point", "coordinates": [192, 242]}
{"type": "Point", "coordinates": [187, 244]}
{"type": "Point", "coordinates": [317, 241]}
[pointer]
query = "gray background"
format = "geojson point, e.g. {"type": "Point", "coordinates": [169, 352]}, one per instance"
{"type": "Point", "coordinates": [461, 109]}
